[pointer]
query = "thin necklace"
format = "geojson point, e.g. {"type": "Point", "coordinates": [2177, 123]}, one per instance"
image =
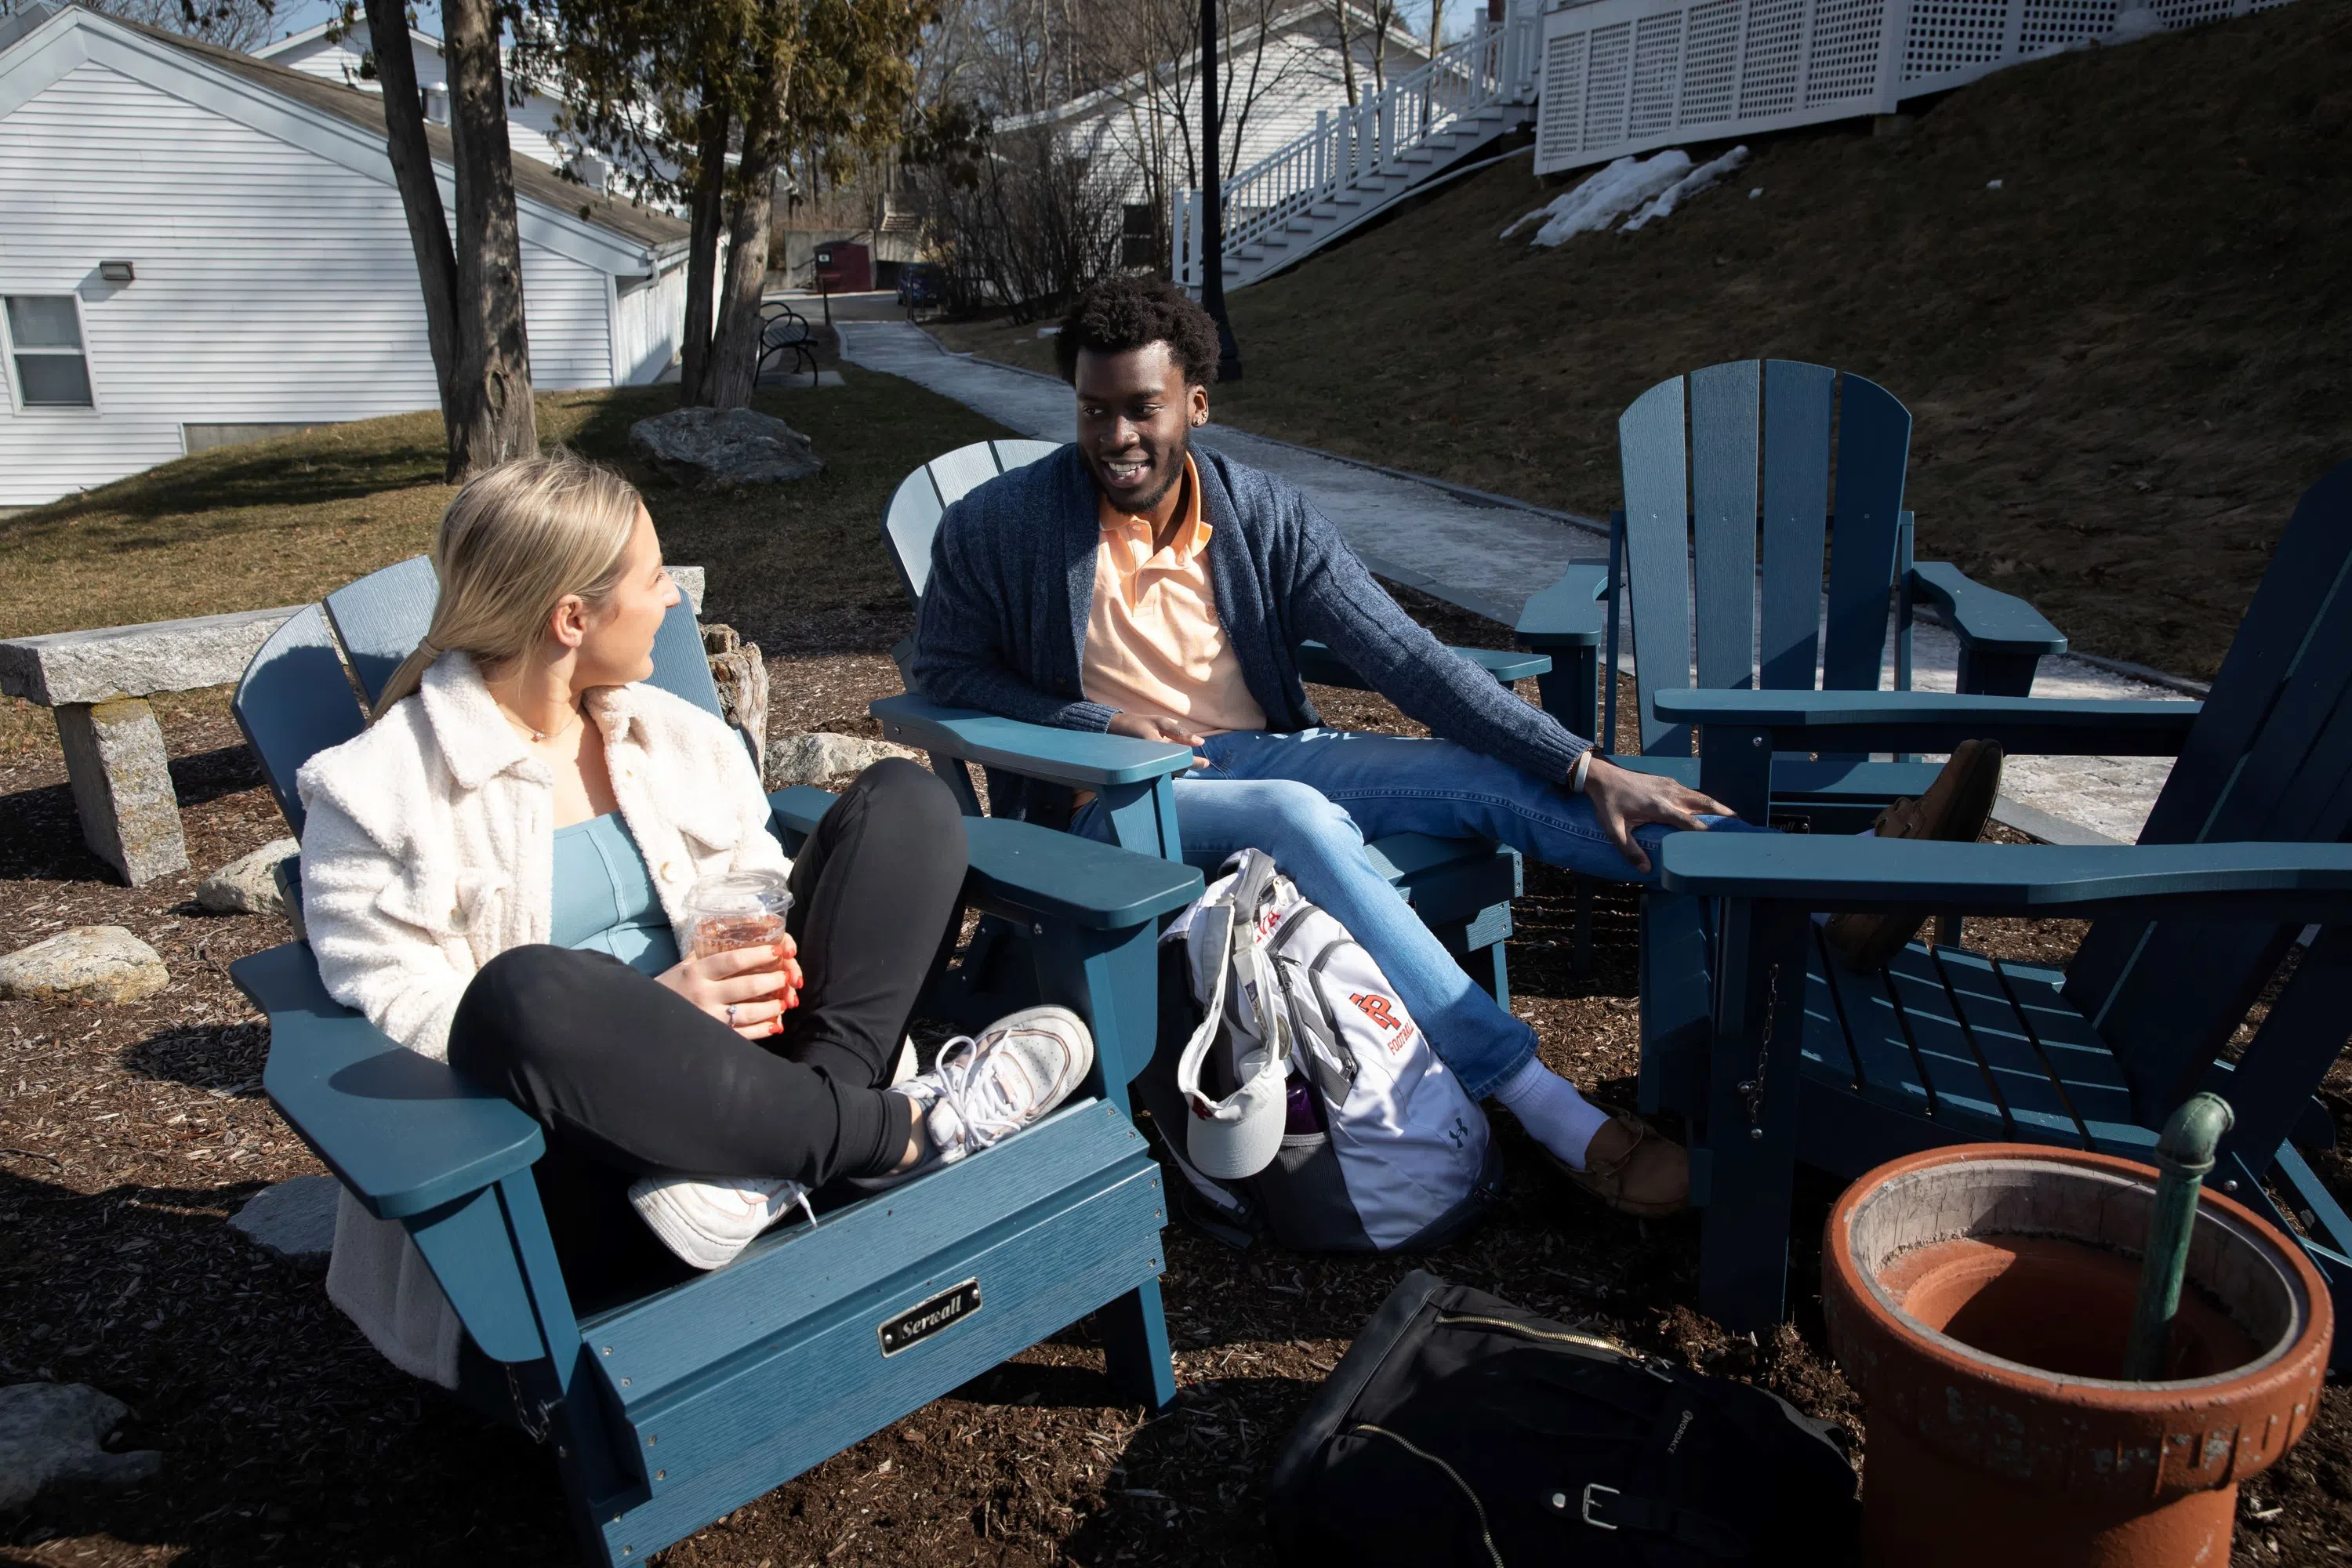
{"type": "Point", "coordinates": [539, 737]}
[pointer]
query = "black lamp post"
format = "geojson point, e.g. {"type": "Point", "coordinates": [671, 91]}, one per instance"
{"type": "Point", "coordinates": [1212, 203]}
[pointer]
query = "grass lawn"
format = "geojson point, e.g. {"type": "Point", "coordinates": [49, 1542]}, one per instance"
{"type": "Point", "coordinates": [2124, 364]}
{"type": "Point", "coordinates": [286, 521]}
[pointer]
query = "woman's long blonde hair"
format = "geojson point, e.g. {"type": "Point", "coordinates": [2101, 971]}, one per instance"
{"type": "Point", "coordinates": [514, 543]}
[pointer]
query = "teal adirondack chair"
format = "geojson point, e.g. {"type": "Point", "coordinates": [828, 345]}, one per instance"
{"type": "Point", "coordinates": [2245, 847]}
{"type": "Point", "coordinates": [1713, 462]}
{"type": "Point", "coordinates": [1462, 887]}
{"type": "Point", "coordinates": [666, 1412]}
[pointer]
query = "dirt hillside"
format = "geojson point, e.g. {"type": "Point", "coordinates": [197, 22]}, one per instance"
{"type": "Point", "coordinates": [2124, 364]}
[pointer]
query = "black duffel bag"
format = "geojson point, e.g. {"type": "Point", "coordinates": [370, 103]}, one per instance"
{"type": "Point", "coordinates": [1460, 1429]}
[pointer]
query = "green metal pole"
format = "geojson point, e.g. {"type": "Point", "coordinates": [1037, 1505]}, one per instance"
{"type": "Point", "coordinates": [2184, 1156]}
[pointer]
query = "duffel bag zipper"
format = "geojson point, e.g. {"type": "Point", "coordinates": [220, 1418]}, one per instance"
{"type": "Point", "coordinates": [1485, 1537]}
{"type": "Point", "coordinates": [1648, 1363]}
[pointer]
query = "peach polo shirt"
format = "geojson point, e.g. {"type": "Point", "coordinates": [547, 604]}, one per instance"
{"type": "Point", "coordinates": [1154, 644]}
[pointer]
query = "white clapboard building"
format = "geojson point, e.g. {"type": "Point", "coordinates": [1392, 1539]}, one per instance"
{"type": "Point", "coordinates": [198, 246]}
{"type": "Point", "coordinates": [1137, 132]}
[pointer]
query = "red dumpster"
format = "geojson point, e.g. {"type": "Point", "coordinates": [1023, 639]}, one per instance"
{"type": "Point", "coordinates": [844, 267]}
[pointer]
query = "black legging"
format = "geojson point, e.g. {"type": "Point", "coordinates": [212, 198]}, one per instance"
{"type": "Point", "coordinates": [629, 1079]}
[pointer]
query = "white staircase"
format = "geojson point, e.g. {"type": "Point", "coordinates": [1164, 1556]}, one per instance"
{"type": "Point", "coordinates": [1357, 161]}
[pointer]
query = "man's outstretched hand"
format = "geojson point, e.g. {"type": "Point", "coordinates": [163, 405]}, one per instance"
{"type": "Point", "coordinates": [1623, 800]}
{"type": "Point", "coordinates": [1139, 726]}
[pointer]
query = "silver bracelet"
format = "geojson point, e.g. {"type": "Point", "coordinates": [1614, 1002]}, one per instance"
{"type": "Point", "coordinates": [1583, 768]}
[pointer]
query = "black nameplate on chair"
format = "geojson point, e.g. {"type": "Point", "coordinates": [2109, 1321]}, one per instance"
{"type": "Point", "coordinates": [921, 1321]}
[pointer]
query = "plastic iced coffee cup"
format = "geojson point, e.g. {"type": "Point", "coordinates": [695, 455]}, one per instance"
{"type": "Point", "coordinates": [736, 908]}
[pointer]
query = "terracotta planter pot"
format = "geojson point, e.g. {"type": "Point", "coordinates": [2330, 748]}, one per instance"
{"type": "Point", "coordinates": [1979, 1298]}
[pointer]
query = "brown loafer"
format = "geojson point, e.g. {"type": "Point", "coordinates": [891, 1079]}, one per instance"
{"type": "Point", "coordinates": [1634, 1169]}
{"type": "Point", "coordinates": [1955, 810]}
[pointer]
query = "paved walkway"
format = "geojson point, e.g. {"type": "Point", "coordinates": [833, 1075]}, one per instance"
{"type": "Point", "coordinates": [1489, 553]}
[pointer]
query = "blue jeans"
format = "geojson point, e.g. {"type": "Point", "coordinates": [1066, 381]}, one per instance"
{"type": "Point", "coordinates": [1312, 798]}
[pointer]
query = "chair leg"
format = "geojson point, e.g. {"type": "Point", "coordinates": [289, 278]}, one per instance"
{"type": "Point", "coordinates": [1135, 1348]}
{"type": "Point", "coordinates": [1749, 1136]}
{"type": "Point", "coordinates": [1485, 963]}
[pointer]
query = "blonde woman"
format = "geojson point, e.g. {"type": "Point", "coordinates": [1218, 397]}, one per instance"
{"type": "Point", "coordinates": [495, 871]}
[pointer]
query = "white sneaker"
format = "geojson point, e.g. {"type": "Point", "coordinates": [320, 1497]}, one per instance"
{"type": "Point", "coordinates": [707, 1220]}
{"type": "Point", "coordinates": [984, 1091]}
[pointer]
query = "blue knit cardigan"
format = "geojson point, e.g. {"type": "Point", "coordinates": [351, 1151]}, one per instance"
{"type": "Point", "coordinates": [1003, 620]}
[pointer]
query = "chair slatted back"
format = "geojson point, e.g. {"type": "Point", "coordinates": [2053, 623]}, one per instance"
{"type": "Point", "coordinates": [924, 495]}
{"type": "Point", "coordinates": [294, 700]}
{"type": "Point", "coordinates": [1713, 462]}
{"type": "Point", "coordinates": [2269, 759]}
{"type": "Point", "coordinates": [381, 617]}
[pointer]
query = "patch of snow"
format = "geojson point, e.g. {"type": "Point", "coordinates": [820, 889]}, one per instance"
{"type": "Point", "coordinates": [1606, 196]}
{"type": "Point", "coordinates": [1993, 184]}
{"type": "Point", "coordinates": [1753, 193]}
{"type": "Point", "coordinates": [1689, 185]}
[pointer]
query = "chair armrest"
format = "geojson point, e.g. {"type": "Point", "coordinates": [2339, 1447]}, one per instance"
{"type": "Point", "coordinates": [1021, 867]}
{"type": "Point", "coordinates": [1568, 613]}
{"type": "Point", "coordinates": [1319, 664]}
{"type": "Point", "coordinates": [2272, 882]}
{"type": "Point", "coordinates": [1083, 758]}
{"type": "Point", "coordinates": [1985, 617]}
{"type": "Point", "coordinates": [404, 1134]}
{"type": "Point", "coordinates": [1938, 721]}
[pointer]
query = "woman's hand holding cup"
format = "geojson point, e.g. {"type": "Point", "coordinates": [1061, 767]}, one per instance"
{"type": "Point", "coordinates": [744, 966]}
{"type": "Point", "coordinates": [749, 989]}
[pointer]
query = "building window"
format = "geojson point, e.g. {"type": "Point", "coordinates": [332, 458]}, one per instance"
{"type": "Point", "coordinates": [45, 343]}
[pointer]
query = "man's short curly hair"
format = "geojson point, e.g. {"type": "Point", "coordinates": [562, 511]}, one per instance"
{"type": "Point", "coordinates": [1120, 314]}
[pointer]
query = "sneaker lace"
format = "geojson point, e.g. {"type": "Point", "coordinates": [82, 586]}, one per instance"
{"type": "Point", "coordinates": [984, 1106]}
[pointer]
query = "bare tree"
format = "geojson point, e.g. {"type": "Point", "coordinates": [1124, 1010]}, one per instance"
{"type": "Point", "coordinates": [473, 289]}
{"type": "Point", "coordinates": [232, 23]}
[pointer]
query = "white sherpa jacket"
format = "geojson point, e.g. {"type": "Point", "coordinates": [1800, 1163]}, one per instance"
{"type": "Point", "coordinates": [429, 848]}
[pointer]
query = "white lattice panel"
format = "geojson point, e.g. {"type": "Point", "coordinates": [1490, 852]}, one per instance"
{"type": "Point", "coordinates": [1771, 64]}
{"type": "Point", "coordinates": [1608, 82]}
{"type": "Point", "coordinates": [1953, 35]}
{"type": "Point", "coordinates": [1841, 62]}
{"type": "Point", "coordinates": [2055, 24]}
{"type": "Point", "coordinates": [1710, 63]}
{"type": "Point", "coordinates": [1657, 72]}
{"type": "Point", "coordinates": [1629, 76]}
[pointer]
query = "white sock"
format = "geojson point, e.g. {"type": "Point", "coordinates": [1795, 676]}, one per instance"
{"type": "Point", "coordinates": [1549, 1107]}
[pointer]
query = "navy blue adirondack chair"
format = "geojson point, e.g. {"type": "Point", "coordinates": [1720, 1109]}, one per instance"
{"type": "Point", "coordinates": [2244, 850]}
{"type": "Point", "coordinates": [667, 1412]}
{"type": "Point", "coordinates": [1714, 463]}
{"type": "Point", "coordinates": [1462, 887]}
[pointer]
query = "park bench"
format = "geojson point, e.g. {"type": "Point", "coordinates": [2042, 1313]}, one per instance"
{"type": "Point", "coordinates": [667, 1412]}
{"type": "Point", "coordinates": [785, 340]}
{"type": "Point", "coordinates": [2244, 859]}
{"type": "Point", "coordinates": [96, 685]}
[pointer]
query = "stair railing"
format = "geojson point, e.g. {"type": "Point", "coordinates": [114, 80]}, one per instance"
{"type": "Point", "coordinates": [1351, 149]}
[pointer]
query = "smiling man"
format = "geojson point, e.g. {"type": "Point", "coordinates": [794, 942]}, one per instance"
{"type": "Point", "coordinates": [1135, 584]}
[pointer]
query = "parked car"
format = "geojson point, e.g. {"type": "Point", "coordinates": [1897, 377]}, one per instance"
{"type": "Point", "coordinates": [922, 285]}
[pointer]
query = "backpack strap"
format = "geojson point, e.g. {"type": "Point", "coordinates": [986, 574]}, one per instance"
{"type": "Point", "coordinates": [1607, 1507]}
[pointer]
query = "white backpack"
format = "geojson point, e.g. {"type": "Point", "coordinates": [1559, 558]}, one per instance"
{"type": "Point", "coordinates": [1384, 1151]}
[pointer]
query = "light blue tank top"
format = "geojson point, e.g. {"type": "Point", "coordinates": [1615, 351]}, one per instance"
{"type": "Point", "coordinates": [604, 897]}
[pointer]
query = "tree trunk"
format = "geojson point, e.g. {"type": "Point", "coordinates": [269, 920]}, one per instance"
{"type": "Point", "coordinates": [708, 213]}
{"type": "Point", "coordinates": [420, 198]}
{"type": "Point", "coordinates": [735, 347]}
{"type": "Point", "coordinates": [1347, 52]}
{"type": "Point", "coordinates": [493, 417]}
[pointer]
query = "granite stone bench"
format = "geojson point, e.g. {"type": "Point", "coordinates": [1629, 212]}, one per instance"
{"type": "Point", "coordinates": [96, 685]}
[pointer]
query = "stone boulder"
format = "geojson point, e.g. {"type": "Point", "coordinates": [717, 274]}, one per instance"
{"type": "Point", "coordinates": [823, 757]}
{"type": "Point", "coordinates": [83, 964]}
{"type": "Point", "coordinates": [56, 1432]}
{"type": "Point", "coordinates": [716, 449]}
{"type": "Point", "coordinates": [246, 885]}
{"type": "Point", "coordinates": [295, 1219]}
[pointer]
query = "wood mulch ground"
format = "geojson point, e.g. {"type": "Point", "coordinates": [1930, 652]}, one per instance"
{"type": "Point", "coordinates": [129, 1135]}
